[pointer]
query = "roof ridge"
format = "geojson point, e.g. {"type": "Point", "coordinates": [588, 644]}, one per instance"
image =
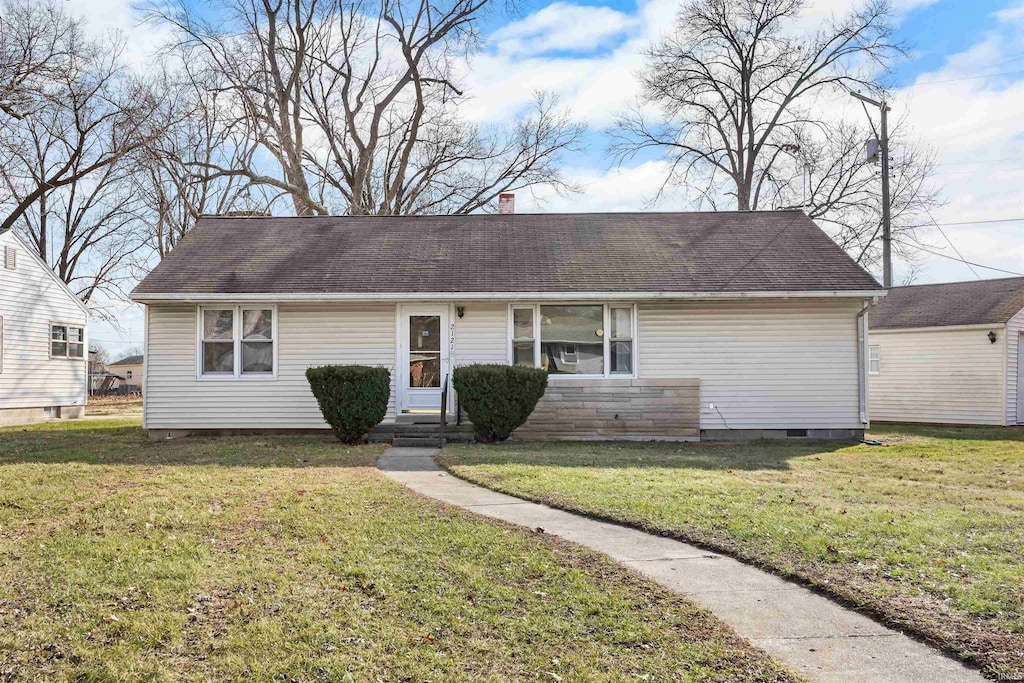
{"type": "Point", "coordinates": [505, 215]}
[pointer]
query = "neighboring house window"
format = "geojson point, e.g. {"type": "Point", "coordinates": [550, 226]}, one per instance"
{"type": "Point", "coordinates": [129, 374]}
{"type": "Point", "coordinates": [589, 340]}
{"type": "Point", "coordinates": [67, 341]}
{"type": "Point", "coordinates": [874, 359]}
{"type": "Point", "coordinates": [237, 341]}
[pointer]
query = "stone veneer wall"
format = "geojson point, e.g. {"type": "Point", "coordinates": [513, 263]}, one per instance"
{"type": "Point", "coordinates": [638, 409]}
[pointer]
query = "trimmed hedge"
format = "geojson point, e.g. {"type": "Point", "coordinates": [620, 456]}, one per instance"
{"type": "Point", "coordinates": [498, 398]}
{"type": "Point", "coordinates": [352, 398]}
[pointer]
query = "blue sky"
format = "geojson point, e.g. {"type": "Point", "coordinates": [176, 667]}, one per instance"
{"type": "Point", "coordinates": [587, 54]}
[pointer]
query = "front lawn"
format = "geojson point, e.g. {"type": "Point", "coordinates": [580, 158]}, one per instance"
{"type": "Point", "coordinates": [293, 559]}
{"type": "Point", "coordinates": [926, 531]}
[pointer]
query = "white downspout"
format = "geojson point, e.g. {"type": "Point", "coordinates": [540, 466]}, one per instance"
{"type": "Point", "coordinates": [862, 389]}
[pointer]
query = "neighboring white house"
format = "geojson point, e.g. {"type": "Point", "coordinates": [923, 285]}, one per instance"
{"type": "Point", "coordinates": [652, 325]}
{"type": "Point", "coordinates": [43, 339]}
{"type": "Point", "coordinates": [949, 353]}
{"type": "Point", "coordinates": [129, 369]}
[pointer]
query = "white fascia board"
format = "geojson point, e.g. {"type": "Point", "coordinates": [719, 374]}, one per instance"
{"type": "Point", "coordinates": [503, 296]}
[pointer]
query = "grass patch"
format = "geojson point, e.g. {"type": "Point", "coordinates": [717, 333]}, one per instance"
{"type": "Point", "coordinates": [114, 405]}
{"type": "Point", "coordinates": [926, 531]}
{"type": "Point", "coordinates": [293, 559]}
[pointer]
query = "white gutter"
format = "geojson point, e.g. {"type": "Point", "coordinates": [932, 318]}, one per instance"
{"type": "Point", "coordinates": [502, 296]}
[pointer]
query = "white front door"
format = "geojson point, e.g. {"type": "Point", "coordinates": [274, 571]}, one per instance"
{"type": "Point", "coordinates": [423, 357]}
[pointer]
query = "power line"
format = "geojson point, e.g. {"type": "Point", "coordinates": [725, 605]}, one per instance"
{"type": "Point", "coordinates": [964, 78]}
{"type": "Point", "coordinates": [994, 220]}
{"type": "Point", "coordinates": [970, 263]}
{"type": "Point", "coordinates": [951, 244]}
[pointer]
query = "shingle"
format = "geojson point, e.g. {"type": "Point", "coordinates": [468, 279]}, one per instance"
{"type": "Point", "coordinates": [953, 303]}
{"type": "Point", "coordinates": [128, 360]}
{"type": "Point", "coordinates": [613, 252]}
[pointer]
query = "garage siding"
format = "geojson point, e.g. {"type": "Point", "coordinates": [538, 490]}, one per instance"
{"type": "Point", "coordinates": [1014, 328]}
{"type": "Point", "coordinates": [940, 376]}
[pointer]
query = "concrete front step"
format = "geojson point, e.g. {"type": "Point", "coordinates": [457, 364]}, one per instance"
{"type": "Point", "coordinates": [391, 432]}
{"type": "Point", "coordinates": [417, 442]}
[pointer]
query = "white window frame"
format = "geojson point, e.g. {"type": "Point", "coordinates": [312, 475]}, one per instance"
{"type": "Point", "coordinates": [876, 350]}
{"type": "Point", "coordinates": [236, 339]}
{"type": "Point", "coordinates": [67, 341]}
{"type": "Point", "coordinates": [605, 338]}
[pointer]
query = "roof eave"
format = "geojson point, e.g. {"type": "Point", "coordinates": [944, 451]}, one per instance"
{"type": "Point", "coordinates": [146, 298]}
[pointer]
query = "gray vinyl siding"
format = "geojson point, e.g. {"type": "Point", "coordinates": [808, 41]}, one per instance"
{"type": "Point", "coordinates": [764, 364]}
{"type": "Point", "coordinates": [1013, 331]}
{"type": "Point", "coordinates": [481, 334]}
{"type": "Point", "coordinates": [30, 299]}
{"type": "Point", "coordinates": [953, 376]}
{"type": "Point", "coordinates": [308, 335]}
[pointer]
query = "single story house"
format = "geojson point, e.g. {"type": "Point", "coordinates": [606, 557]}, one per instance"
{"type": "Point", "coordinates": [949, 353]}
{"type": "Point", "coordinates": [129, 369]}
{"type": "Point", "coordinates": [651, 325]}
{"type": "Point", "coordinates": [43, 339]}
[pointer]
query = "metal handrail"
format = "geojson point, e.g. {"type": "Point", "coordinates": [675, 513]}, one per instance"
{"type": "Point", "coordinates": [444, 408]}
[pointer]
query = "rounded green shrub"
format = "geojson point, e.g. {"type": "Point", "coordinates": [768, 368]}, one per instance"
{"type": "Point", "coordinates": [498, 398]}
{"type": "Point", "coordinates": [352, 398]}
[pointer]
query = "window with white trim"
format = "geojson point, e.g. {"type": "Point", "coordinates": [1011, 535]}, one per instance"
{"type": "Point", "coordinates": [574, 339]}
{"type": "Point", "coordinates": [621, 340]}
{"type": "Point", "coordinates": [237, 341]}
{"type": "Point", "coordinates": [874, 359]}
{"type": "Point", "coordinates": [67, 341]}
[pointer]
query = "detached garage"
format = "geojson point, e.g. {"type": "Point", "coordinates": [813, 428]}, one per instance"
{"type": "Point", "coordinates": [949, 353]}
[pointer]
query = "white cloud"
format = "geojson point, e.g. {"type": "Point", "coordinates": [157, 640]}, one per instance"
{"type": "Point", "coordinates": [594, 86]}
{"type": "Point", "coordinates": [109, 17]}
{"type": "Point", "coordinates": [562, 27]}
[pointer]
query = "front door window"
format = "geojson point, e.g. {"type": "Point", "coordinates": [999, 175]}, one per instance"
{"type": "Point", "coordinates": [424, 351]}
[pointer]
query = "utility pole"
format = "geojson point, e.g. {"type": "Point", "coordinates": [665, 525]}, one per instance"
{"type": "Point", "coordinates": [883, 150]}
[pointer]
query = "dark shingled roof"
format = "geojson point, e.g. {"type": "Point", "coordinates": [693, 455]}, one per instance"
{"type": "Point", "coordinates": [128, 360]}
{"type": "Point", "coordinates": [954, 303]}
{"type": "Point", "coordinates": [611, 252]}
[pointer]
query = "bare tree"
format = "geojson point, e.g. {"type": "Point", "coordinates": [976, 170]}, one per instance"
{"type": "Point", "coordinates": [171, 177]}
{"type": "Point", "coordinates": [358, 104]}
{"type": "Point", "coordinates": [36, 47]}
{"type": "Point", "coordinates": [69, 150]}
{"type": "Point", "coordinates": [743, 115]}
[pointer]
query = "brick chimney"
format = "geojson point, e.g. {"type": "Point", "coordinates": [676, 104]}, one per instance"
{"type": "Point", "coordinates": [506, 202]}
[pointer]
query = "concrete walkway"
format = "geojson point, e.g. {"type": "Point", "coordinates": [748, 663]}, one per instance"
{"type": "Point", "coordinates": [810, 634]}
